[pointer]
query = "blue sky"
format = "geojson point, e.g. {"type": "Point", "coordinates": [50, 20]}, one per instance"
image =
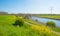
{"type": "Point", "coordinates": [30, 6]}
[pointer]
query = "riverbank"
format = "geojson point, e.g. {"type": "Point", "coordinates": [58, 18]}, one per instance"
{"type": "Point", "coordinates": [50, 17]}
{"type": "Point", "coordinates": [45, 20]}
{"type": "Point", "coordinates": [30, 28]}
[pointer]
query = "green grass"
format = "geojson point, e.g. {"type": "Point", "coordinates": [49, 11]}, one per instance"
{"type": "Point", "coordinates": [49, 16]}
{"type": "Point", "coordinates": [41, 27]}
{"type": "Point", "coordinates": [8, 29]}
{"type": "Point", "coordinates": [57, 29]}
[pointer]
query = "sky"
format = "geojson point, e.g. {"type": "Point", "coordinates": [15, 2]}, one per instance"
{"type": "Point", "coordinates": [30, 6]}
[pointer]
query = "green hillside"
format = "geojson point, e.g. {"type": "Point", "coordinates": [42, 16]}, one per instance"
{"type": "Point", "coordinates": [29, 28]}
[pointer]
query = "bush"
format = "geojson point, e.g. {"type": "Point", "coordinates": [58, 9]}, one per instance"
{"type": "Point", "coordinates": [51, 24]}
{"type": "Point", "coordinates": [36, 20]}
{"type": "Point", "coordinates": [19, 22]}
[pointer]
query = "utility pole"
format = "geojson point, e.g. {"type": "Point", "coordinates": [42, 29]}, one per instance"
{"type": "Point", "coordinates": [51, 10]}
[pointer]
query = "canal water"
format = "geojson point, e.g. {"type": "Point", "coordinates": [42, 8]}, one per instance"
{"type": "Point", "coordinates": [45, 20]}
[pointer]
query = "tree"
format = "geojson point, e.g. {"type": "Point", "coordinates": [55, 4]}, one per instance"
{"type": "Point", "coordinates": [3, 13]}
{"type": "Point", "coordinates": [51, 24]}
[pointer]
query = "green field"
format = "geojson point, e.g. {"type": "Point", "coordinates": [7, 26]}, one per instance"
{"type": "Point", "coordinates": [53, 16]}
{"type": "Point", "coordinates": [30, 28]}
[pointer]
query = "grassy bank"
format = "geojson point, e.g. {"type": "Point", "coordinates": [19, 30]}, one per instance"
{"type": "Point", "coordinates": [49, 16]}
{"type": "Point", "coordinates": [57, 29]}
{"type": "Point", "coordinates": [8, 29]}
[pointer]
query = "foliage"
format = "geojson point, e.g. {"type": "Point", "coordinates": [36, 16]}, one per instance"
{"type": "Point", "coordinates": [19, 22]}
{"type": "Point", "coordinates": [51, 24]}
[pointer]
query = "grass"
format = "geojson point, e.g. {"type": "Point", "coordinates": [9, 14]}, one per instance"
{"type": "Point", "coordinates": [40, 27]}
{"type": "Point", "coordinates": [57, 29]}
{"type": "Point", "coordinates": [49, 16]}
{"type": "Point", "coordinates": [7, 29]}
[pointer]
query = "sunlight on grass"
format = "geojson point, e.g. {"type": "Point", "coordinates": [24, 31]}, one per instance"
{"type": "Point", "coordinates": [7, 28]}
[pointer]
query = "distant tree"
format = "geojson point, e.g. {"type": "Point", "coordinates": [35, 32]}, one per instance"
{"type": "Point", "coordinates": [51, 24]}
{"type": "Point", "coordinates": [26, 17]}
{"type": "Point", "coordinates": [3, 13]}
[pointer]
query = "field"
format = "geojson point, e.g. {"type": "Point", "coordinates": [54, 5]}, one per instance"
{"type": "Point", "coordinates": [53, 16]}
{"type": "Point", "coordinates": [29, 28]}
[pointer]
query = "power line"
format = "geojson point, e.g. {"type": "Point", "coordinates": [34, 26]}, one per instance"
{"type": "Point", "coordinates": [51, 10]}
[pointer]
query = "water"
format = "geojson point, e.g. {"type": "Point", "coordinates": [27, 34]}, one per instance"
{"type": "Point", "coordinates": [45, 20]}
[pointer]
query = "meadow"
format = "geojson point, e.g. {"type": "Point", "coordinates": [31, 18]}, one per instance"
{"type": "Point", "coordinates": [53, 16]}
{"type": "Point", "coordinates": [29, 28]}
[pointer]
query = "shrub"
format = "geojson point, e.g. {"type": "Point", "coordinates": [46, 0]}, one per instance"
{"type": "Point", "coordinates": [36, 20]}
{"type": "Point", "coordinates": [51, 24]}
{"type": "Point", "coordinates": [19, 22]}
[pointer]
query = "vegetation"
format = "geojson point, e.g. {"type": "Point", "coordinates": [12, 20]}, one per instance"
{"type": "Point", "coordinates": [57, 29]}
{"type": "Point", "coordinates": [19, 22]}
{"type": "Point", "coordinates": [28, 29]}
{"type": "Point", "coordinates": [3, 13]}
{"type": "Point", "coordinates": [53, 16]}
{"type": "Point", "coordinates": [51, 24]}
